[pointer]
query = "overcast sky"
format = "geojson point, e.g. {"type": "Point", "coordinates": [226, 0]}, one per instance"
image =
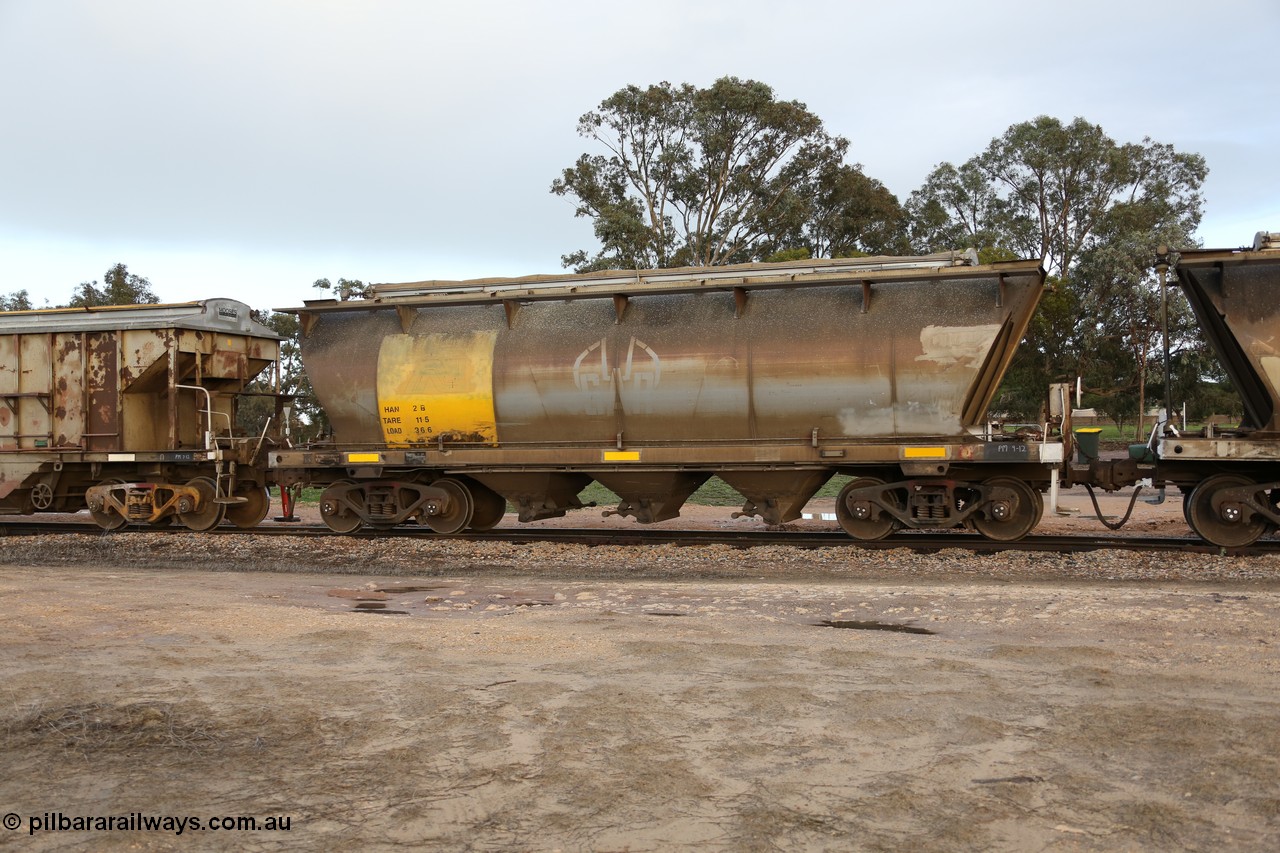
{"type": "Point", "coordinates": [245, 149]}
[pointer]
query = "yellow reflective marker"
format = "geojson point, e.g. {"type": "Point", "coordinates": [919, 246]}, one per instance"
{"type": "Point", "coordinates": [924, 453]}
{"type": "Point", "coordinates": [364, 457]}
{"type": "Point", "coordinates": [433, 385]}
{"type": "Point", "coordinates": [622, 456]}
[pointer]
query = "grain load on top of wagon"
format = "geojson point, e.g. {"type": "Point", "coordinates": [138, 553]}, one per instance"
{"type": "Point", "coordinates": [449, 399]}
{"type": "Point", "coordinates": [128, 411]}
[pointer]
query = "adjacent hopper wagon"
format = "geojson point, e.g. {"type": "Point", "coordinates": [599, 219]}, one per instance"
{"type": "Point", "coordinates": [1232, 477]}
{"type": "Point", "coordinates": [128, 410]}
{"type": "Point", "coordinates": [449, 399]}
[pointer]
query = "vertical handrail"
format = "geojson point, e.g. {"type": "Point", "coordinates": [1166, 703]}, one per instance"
{"type": "Point", "coordinates": [208, 413]}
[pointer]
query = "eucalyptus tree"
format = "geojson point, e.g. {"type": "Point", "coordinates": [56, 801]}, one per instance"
{"type": "Point", "coordinates": [119, 287]}
{"type": "Point", "coordinates": [1095, 211]}
{"type": "Point", "coordinates": [725, 174]}
{"type": "Point", "coordinates": [346, 289]}
{"type": "Point", "coordinates": [849, 214]}
{"type": "Point", "coordinates": [19, 300]}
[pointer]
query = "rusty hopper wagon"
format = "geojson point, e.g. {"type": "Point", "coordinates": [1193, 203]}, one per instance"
{"type": "Point", "coordinates": [449, 399]}
{"type": "Point", "coordinates": [128, 410]}
{"type": "Point", "coordinates": [1232, 477]}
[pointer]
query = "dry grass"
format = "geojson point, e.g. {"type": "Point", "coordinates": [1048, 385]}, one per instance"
{"type": "Point", "coordinates": [97, 727]}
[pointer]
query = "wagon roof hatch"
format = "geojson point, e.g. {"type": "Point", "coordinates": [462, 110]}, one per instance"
{"type": "Point", "coordinates": [215, 315]}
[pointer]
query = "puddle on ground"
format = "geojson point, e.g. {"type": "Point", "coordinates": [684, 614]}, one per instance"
{"type": "Point", "coordinates": [358, 594]}
{"type": "Point", "coordinates": [872, 626]}
{"type": "Point", "coordinates": [399, 589]}
{"type": "Point", "coordinates": [1014, 780]}
{"type": "Point", "coordinates": [377, 607]}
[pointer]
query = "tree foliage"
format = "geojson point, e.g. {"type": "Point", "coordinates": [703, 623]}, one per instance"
{"type": "Point", "coordinates": [956, 207]}
{"type": "Point", "coordinates": [119, 287]}
{"type": "Point", "coordinates": [307, 418]}
{"type": "Point", "coordinates": [1049, 190]}
{"type": "Point", "coordinates": [1095, 211]}
{"type": "Point", "coordinates": [848, 214]}
{"type": "Point", "coordinates": [726, 174]}
{"type": "Point", "coordinates": [346, 289]}
{"type": "Point", "coordinates": [19, 300]}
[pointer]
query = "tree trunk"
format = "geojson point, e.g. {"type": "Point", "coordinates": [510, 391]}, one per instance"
{"type": "Point", "coordinates": [1142, 402]}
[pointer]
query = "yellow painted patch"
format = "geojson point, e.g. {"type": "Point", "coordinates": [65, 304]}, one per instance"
{"type": "Point", "coordinates": [364, 457]}
{"type": "Point", "coordinates": [924, 453]}
{"type": "Point", "coordinates": [437, 385]}
{"type": "Point", "coordinates": [622, 456]}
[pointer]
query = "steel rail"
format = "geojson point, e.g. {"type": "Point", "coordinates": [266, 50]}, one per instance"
{"type": "Point", "coordinates": [745, 539]}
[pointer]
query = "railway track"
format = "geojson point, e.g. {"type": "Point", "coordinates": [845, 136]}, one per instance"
{"type": "Point", "coordinates": [914, 540]}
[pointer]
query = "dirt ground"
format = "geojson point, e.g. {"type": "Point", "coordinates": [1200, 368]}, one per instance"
{"type": "Point", "coordinates": [491, 713]}
{"type": "Point", "coordinates": [526, 700]}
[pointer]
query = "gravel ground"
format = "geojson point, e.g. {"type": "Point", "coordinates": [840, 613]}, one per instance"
{"type": "Point", "coordinates": [429, 557]}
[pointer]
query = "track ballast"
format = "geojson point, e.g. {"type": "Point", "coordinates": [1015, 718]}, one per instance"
{"type": "Point", "coordinates": [913, 540]}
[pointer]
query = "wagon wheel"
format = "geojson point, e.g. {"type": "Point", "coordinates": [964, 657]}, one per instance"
{"type": "Point", "coordinates": [251, 512]}
{"type": "Point", "coordinates": [460, 512]}
{"type": "Point", "coordinates": [105, 518]}
{"type": "Point", "coordinates": [1039, 498]}
{"type": "Point", "coordinates": [207, 515]}
{"type": "Point", "coordinates": [1222, 522]}
{"type": "Point", "coordinates": [859, 518]}
{"type": "Point", "coordinates": [333, 510]}
{"type": "Point", "coordinates": [1013, 516]}
{"type": "Point", "coordinates": [489, 509]}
